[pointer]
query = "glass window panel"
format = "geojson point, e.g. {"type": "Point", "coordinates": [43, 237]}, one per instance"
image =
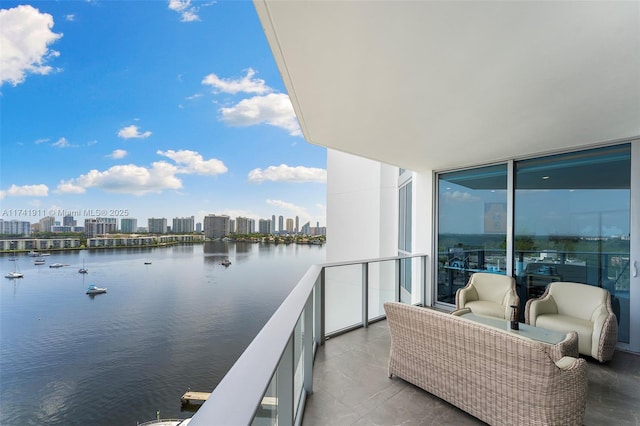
{"type": "Point", "coordinates": [472, 226]}
{"type": "Point", "coordinates": [572, 223]}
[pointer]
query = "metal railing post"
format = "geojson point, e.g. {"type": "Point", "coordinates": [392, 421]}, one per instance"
{"type": "Point", "coordinates": [320, 313]}
{"type": "Point", "coordinates": [308, 346]}
{"type": "Point", "coordinates": [423, 273]}
{"type": "Point", "coordinates": [365, 295]}
{"type": "Point", "coordinates": [398, 281]}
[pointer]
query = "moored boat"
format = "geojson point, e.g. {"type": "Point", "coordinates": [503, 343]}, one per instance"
{"type": "Point", "coordinates": [15, 273]}
{"type": "Point", "coordinates": [56, 265]}
{"type": "Point", "coordinates": [94, 289]}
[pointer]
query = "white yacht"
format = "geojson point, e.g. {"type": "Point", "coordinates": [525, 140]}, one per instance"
{"type": "Point", "coordinates": [94, 289]}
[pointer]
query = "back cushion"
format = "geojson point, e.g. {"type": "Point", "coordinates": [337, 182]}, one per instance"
{"type": "Point", "coordinates": [577, 300]}
{"type": "Point", "coordinates": [491, 287]}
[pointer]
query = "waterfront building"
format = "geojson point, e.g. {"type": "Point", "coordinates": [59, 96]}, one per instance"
{"type": "Point", "coordinates": [157, 225]}
{"type": "Point", "coordinates": [306, 229]}
{"type": "Point", "coordinates": [273, 224]}
{"type": "Point", "coordinates": [490, 146]}
{"type": "Point", "coordinates": [68, 220]}
{"type": "Point", "coordinates": [264, 226]}
{"type": "Point", "coordinates": [46, 223]}
{"type": "Point", "coordinates": [216, 226]}
{"type": "Point", "coordinates": [15, 227]}
{"type": "Point", "coordinates": [280, 224]}
{"type": "Point", "coordinates": [289, 226]}
{"type": "Point", "coordinates": [100, 226]}
{"type": "Point", "coordinates": [129, 225]}
{"type": "Point", "coordinates": [143, 240]}
{"type": "Point", "coordinates": [183, 225]}
{"type": "Point", "coordinates": [29, 244]}
{"type": "Point", "coordinates": [199, 227]}
{"type": "Point", "coordinates": [296, 230]}
{"type": "Point", "coordinates": [242, 225]}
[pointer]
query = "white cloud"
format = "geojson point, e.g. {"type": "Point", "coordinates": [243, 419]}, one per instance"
{"type": "Point", "coordinates": [63, 143]}
{"type": "Point", "coordinates": [188, 12]}
{"type": "Point", "coordinates": [25, 36]}
{"type": "Point", "coordinates": [458, 196]}
{"type": "Point", "coordinates": [126, 179]}
{"type": "Point", "coordinates": [70, 17]}
{"type": "Point", "coordinates": [25, 191]}
{"type": "Point", "coordinates": [193, 162]}
{"type": "Point", "coordinates": [274, 109]}
{"type": "Point", "coordinates": [284, 173]}
{"type": "Point", "coordinates": [41, 140]}
{"type": "Point", "coordinates": [139, 180]}
{"type": "Point", "coordinates": [118, 153]}
{"type": "Point", "coordinates": [292, 209]}
{"type": "Point", "coordinates": [131, 132]}
{"type": "Point", "coordinates": [246, 84]}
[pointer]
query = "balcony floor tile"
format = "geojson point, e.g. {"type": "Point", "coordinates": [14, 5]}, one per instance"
{"type": "Point", "coordinates": [351, 387]}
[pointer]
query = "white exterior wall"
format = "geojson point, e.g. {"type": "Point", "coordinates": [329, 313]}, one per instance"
{"type": "Point", "coordinates": [362, 204]}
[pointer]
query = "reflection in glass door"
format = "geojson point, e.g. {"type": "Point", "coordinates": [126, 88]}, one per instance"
{"type": "Point", "coordinates": [472, 226]}
{"type": "Point", "coordinates": [572, 223]}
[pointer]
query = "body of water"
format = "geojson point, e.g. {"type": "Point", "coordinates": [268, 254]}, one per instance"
{"type": "Point", "coordinates": [67, 358]}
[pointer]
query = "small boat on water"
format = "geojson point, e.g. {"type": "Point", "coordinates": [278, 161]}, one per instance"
{"type": "Point", "coordinates": [147, 262]}
{"type": "Point", "coordinates": [83, 270]}
{"type": "Point", "coordinates": [56, 265]}
{"type": "Point", "coordinates": [94, 289]}
{"type": "Point", "coordinates": [226, 262]}
{"type": "Point", "coordinates": [15, 273]}
{"type": "Point", "coordinates": [39, 262]}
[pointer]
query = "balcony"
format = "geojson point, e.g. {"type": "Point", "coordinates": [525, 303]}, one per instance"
{"type": "Point", "coordinates": [307, 366]}
{"type": "Point", "coordinates": [351, 387]}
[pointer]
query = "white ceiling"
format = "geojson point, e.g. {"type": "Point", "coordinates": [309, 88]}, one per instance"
{"type": "Point", "coordinates": [431, 85]}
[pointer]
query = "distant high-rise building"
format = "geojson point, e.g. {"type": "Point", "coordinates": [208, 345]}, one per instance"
{"type": "Point", "coordinates": [216, 226]}
{"type": "Point", "coordinates": [46, 223]}
{"type": "Point", "coordinates": [273, 224]}
{"type": "Point", "coordinates": [232, 226]}
{"type": "Point", "coordinates": [289, 225]}
{"type": "Point", "coordinates": [306, 229]}
{"type": "Point", "coordinates": [183, 225]}
{"type": "Point", "coordinates": [157, 225]}
{"type": "Point", "coordinates": [129, 225]}
{"type": "Point", "coordinates": [280, 224]}
{"type": "Point", "coordinates": [297, 228]}
{"type": "Point", "coordinates": [15, 227]}
{"type": "Point", "coordinates": [199, 227]}
{"type": "Point", "coordinates": [243, 225]}
{"type": "Point", "coordinates": [264, 226]}
{"type": "Point", "coordinates": [69, 221]}
{"type": "Point", "coordinates": [100, 226]}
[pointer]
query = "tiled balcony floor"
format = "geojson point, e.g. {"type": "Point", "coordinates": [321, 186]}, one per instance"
{"type": "Point", "coordinates": [351, 387]}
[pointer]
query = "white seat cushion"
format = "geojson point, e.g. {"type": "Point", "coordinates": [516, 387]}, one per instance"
{"type": "Point", "coordinates": [485, 307]}
{"type": "Point", "coordinates": [566, 323]}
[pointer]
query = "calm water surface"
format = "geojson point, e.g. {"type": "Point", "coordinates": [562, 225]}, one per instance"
{"type": "Point", "coordinates": [67, 358]}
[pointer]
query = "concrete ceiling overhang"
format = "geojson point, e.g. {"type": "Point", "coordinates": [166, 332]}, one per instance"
{"type": "Point", "coordinates": [432, 85]}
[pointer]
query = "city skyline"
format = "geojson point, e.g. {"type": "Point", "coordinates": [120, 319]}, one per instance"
{"type": "Point", "coordinates": [145, 107]}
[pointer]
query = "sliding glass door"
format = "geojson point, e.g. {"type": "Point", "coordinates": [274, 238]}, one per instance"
{"type": "Point", "coordinates": [572, 220]}
{"type": "Point", "coordinates": [572, 223]}
{"type": "Point", "coordinates": [472, 226]}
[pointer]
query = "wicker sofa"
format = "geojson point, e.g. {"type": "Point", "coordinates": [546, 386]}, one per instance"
{"type": "Point", "coordinates": [493, 374]}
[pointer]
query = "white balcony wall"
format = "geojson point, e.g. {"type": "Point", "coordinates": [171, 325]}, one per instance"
{"type": "Point", "coordinates": [362, 205]}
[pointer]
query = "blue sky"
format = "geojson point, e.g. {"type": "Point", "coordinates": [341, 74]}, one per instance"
{"type": "Point", "coordinates": [160, 108]}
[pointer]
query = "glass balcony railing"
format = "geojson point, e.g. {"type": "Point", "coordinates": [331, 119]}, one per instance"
{"type": "Point", "coordinates": [269, 383]}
